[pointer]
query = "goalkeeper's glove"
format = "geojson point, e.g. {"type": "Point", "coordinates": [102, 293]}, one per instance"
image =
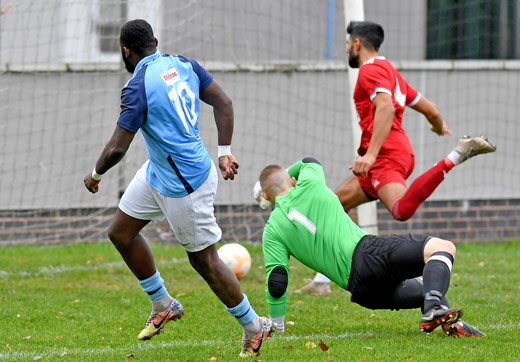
{"type": "Point", "coordinates": [257, 194]}
{"type": "Point", "coordinates": [279, 322]}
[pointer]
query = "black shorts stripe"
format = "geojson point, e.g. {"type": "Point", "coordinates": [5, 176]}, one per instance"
{"type": "Point", "coordinates": [185, 183]}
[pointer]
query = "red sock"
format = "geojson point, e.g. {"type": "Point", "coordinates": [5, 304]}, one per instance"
{"type": "Point", "coordinates": [404, 207]}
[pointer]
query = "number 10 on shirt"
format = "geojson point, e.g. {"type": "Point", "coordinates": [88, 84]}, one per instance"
{"type": "Point", "coordinates": [183, 99]}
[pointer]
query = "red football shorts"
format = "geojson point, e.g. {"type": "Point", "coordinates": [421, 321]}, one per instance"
{"type": "Point", "coordinates": [396, 167]}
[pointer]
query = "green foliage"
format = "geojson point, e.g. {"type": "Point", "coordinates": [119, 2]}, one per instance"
{"type": "Point", "coordinates": [81, 303]}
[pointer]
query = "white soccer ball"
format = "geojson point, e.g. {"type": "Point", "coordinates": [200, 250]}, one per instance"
{"type": "Point", "coordinates": [237, 258]}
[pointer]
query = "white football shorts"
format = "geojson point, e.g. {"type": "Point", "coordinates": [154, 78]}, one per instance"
{"type": "Point", "coordinates": [191, 217]}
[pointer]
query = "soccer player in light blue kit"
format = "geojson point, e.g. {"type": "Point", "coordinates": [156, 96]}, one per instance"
{"type": "Point", "coordinates": [178, 182]}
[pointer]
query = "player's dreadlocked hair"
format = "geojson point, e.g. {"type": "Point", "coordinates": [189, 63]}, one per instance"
{"type": "Point", "coordinates": [137, 35]}
{"type": "Point", "coordinates": [369, 33]}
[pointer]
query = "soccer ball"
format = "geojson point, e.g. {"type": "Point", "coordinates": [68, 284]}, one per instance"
{"type": "Point", "coordinates": [237, 258]}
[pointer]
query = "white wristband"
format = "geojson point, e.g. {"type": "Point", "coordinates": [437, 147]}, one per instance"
{"type": "Point", "coordinates": [96, 176]}
{"type": "Point", "coordinates": [224, 150]}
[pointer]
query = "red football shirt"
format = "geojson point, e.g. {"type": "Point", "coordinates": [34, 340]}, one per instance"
{"type": "Point", "coordinates": [378, 75]}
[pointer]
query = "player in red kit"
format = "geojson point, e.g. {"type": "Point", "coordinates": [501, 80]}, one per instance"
{"type": "Point", "coordinates": [386, 155]}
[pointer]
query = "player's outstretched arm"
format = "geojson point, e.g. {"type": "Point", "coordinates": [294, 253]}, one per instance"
{"type": "Point", "coordinates": [223, 113]}
{"type": "Point", "coordinates": [114, 151]}
{"type": "Point", "coordinates": [433, 115]}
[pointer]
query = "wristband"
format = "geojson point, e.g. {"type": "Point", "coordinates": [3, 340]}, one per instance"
{"type": "Point", "coordinates": [224, 150]}
{"type": "Point", "coordinates": [96, 176]}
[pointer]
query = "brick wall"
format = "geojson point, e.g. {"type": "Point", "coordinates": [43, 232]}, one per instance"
{"type": "Point", "coordinates": [459, 221]}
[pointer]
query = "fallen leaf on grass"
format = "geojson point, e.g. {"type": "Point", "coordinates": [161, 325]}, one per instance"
{"type": "Point", "coordinates": [368, 348]}
{"type": "Point", "coordinates": [28, 337]}
{"type": "Point", "coordinates": [310, 344]}
{"type": "Point", "coordinates": [288, 347]}
{"type": "Point", "coordinates": [291, 323]}
{"type": "Point", "coordinates": [322, 345]}
{"type": "Point", "coordinates": [131, 355]}
{"type": "Point", "coordinates": [59, 337]}
{"type": "Point", "coordinates": [213, 358]}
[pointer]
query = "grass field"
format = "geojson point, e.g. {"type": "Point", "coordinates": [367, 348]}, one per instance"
{"type": "Point", "coordinates": [81, 303]}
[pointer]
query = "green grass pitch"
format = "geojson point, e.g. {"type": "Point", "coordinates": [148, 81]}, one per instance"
{"type": "Point", "coordinates": [81, 303]}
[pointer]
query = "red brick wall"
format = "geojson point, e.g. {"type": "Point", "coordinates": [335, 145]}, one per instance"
{"type": "Point", "coordinates": [459, 221]}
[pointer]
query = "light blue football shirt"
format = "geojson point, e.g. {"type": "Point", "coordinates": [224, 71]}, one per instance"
{"type": "Point", "coordinates": [162, 99]}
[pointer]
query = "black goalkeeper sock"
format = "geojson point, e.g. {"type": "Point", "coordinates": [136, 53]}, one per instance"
{"type": "Point", "coordinates": [436, 278]}
{"type": "Point", "coordinates": [409, 294]}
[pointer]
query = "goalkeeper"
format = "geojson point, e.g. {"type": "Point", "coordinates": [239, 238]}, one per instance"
{"type": "Point", "coordinates": [381, 272]}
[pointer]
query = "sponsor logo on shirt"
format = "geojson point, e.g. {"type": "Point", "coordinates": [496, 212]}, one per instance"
{"type": "Point", "coordinates": [170, 76]}
{"type": "Point", "coordinates": [376, 182]}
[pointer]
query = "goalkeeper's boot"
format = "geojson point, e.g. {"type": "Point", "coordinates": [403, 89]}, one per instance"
{"type": "Point", "coordinates": [461, 329]}
{"type": "Point", "coordinates": [313, 287]}
{"type": "Point", "coordinates": [439, 316]}
{"type": "Point", "coordinates": [251, 344]}
{"type": "Point", "coordinates": [157, 321]}
{"type": "Point", "coordinates": [468, 147]}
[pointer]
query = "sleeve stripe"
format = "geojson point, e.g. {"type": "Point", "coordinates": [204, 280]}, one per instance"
{"type": "Point", "coordinates": [380, 90]}
{"type": "Point", "coordinates": [414, 102]}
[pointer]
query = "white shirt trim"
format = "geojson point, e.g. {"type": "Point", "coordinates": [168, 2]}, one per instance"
{"type": "Point", "coordinates": [371, 60]}
{"type": "Point", "coordinates": [414, 102]}
{"type": "Point", "coordinates": [380, 90]}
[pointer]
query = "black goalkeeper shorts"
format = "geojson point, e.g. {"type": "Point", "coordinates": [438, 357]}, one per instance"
{"type": "Point", "coordinates": [381, 263]}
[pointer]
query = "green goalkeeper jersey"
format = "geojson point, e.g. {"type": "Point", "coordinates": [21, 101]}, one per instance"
{"type": "Point", "coordinates": [309, 223]}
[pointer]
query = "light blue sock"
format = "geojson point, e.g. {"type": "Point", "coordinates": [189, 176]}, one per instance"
{"type": "Point", "coordinates": [243, 312]}
{"type": "Point", "coordinates": [154, 286]}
